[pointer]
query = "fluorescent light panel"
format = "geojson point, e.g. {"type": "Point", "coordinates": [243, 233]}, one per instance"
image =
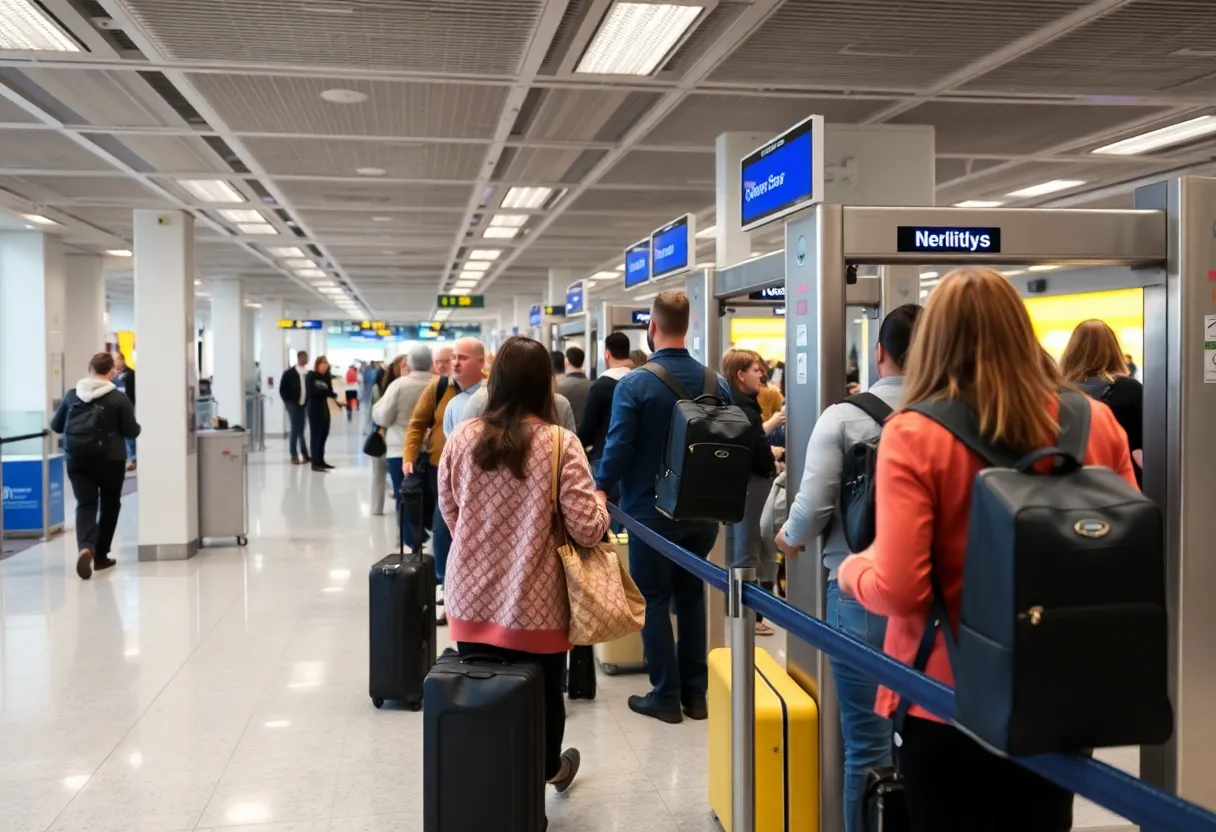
{"type": "Point", "coordinates": [471, 275]}
{"type": "Point", "coordinates": [119, 252]}
{"type": "Point", "coordinates": [499, 233]}
{"type": "Point", "coordinates": [604, 276]}
{"type": "Point", "coordinates": [299, 263]}
{"type": "Point", "coordinates": [242, 215]}
{"type": "Point", "coordinates": [526, 197]}
{"type": "Point", "coordinates": [1044, 188]}
{"type": "Point", "coordinates": [311, 273]}
{"type": "Point", "coordinates": [462, 291]}
{"type": "Point", "coordinates": [706, 233]}
{"type": "Point", "coordinates": [485, 253]}
{"type": "Point", "coordinates": [1045, 267]}
{"type": "Point", "coordinates": [211, 190]}
{"type": "Point", "coordinates": [259, 228]}
{"type": "Point", "coordinates": [25, 27]}
{"type": "Point", "coordinates": [1183, 131]}
{"type": "Point", "coordinates": [466, 284]}
{"type": "Point", "coordinates": [477, 266]}
{"type": "Point", "coordinates": [286, 251]}
{"type": "Point", "coordinates": [635, 38]}
{"type": "Point", "coordinates": [979, 203]}
{"type": "Point", "coordinates": [508, 220]}
{"type": "Point", "coordinates": [38, 219]}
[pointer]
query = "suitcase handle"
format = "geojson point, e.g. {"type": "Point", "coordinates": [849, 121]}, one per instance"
{"type": "Point", "coordinates": [473, 658]}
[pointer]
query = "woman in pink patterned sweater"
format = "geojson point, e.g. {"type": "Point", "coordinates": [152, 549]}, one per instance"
{"type": "Point", "coordinates": [506, 591]}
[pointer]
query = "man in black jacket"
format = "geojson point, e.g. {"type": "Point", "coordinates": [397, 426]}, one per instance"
{"type": "Point", "coordinates": [124, 382]}
{"type": "Point", "coordinates": [597, 413]}
{"type": "Point", "coordinates": [291, 391]}
{"type": "Point", "coordinates": [96, 420]}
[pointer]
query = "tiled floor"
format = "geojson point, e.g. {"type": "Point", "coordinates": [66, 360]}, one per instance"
{"type": "Point", "coordinates": [230, 690]}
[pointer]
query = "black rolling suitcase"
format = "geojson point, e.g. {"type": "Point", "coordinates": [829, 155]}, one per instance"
{"type": "Point", "coordinates": [883, 808]}
{"type": "Point", "coordinates": [402, 626]}
{"type": "Point", "coordinates": [483, 746]}
{"type": "Point", "coordinates": [580, 678]}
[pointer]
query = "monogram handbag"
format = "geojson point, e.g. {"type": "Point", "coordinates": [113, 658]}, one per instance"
{"type": "Point", "coordinates": [605, 603]}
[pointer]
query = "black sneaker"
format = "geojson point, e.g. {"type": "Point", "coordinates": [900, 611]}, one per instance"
{"type": "Point", "coordinates": [571, 760]}
{"type": "Point", "coordinates": [104, 563]}
{"type": "Point", "coordinates": [84, 564]}
{"type": "Point", "coordinates": [696, 709]}
{"type": "Point", "coordinates": [649, 705]}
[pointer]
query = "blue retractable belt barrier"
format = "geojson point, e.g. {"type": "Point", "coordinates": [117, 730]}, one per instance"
{"type": "Point", "coordinates": [1109, 787]}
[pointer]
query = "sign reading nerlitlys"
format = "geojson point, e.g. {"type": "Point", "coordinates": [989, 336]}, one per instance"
{"type": "Point", "coordinates": [939, 240]}
{"type": "Point", "coordinates": [637, 264]}
{"type": "Point", "coordinates": [672, 247]}
{"type": "Point", "coordinates": [783, 176]}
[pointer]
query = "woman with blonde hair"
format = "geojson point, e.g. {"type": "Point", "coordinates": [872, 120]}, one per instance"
{"type": "Point", "coordinates": [974, 343]}
{"type": "Point", "coordinates": [1094, 362]}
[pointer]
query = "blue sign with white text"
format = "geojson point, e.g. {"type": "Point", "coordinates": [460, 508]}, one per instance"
{"type": "Point", "coordinates": [637, 264]}
{"type": "Point", "coordinates": [670, 248]}
{"type": "Point", "coordinates": [641, 316]}
{"type": "Point", "coordinates": [770, 293]}
{"type": "Point", "coordinates": [574, 298]}
{"type": "Point", "coordinates": [534, 316]}
{"type": "Point", "coordinates": [929, 239]}
{"type": "Point", "coordinates": [781, 176]}
{"type": "Point", "coordinates": [22, 493]}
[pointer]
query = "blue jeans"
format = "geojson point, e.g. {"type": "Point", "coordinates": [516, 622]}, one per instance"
{"type": "Point", "coordinates": [441, 535]}
{"type": "Point", "coordinates": [867, 736]}
{"type": "Point", "coordinates": [678, 671]}
{"type": "Point", "coordinates": [130, 449]}
{"type": "Point", "coordinates": [295, 436]}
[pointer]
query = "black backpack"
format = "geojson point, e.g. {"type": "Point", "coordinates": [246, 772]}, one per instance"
{"type": "Point", "coordinates": [707, 457]}
{"type": "Point", "coordinates": [88, 430]}
{"type": "Point", "coordinates": [1063, 637]}
{"type": "Point", "coordinates": [857, 477]}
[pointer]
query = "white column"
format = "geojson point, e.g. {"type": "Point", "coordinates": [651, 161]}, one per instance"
{"type": "Point", "coordinates": [733, 244]}
{"type": "Point", "coordinates": [31, 330]}
{"type": "Point", "coordinates": [318, 342]}
{"type": "Point", "coordinates": [249, 344]}
{"type": "Point", "coordinates": [84, 331]}
{"type": "Point", "coordinates": [165, 323]}
{"type": "Point", "coordinates": [559, 279]}
{"type": "Point", "coordinates": [228, 324]}
{"type": "Point", "coordinates": [272, 356]}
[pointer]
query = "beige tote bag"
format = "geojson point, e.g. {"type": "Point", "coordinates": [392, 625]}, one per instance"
{"type": "Point", "coordinates": [605, 603]}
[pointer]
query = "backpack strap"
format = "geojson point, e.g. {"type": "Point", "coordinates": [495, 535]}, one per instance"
{"type": "Point", "coordinates": [963, 422]}
{"type": "Point", "coordinates": [1074, 425]}
{"type": "Point", "coordinates": [872, 406]}
{"type": "Point", "coordinates": [711, 384]}
{"type": "Point", "coordinates": [656, 369]}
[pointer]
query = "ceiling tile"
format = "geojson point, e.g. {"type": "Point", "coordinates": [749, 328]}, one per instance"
{"type": "Point", "coordinates": [399, 160]}
{"type": "Point", "coordinates": [699, 119]}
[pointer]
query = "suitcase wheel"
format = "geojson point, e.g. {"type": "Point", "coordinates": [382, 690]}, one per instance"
{"type": "Point", "coordinates": [414, 704]}
{"type": "Point", "coordinates": [377, 701]}
{"type": "Point", "coordinates": [241, 540]}
{"type": "Point", "coordinates": [610, 669]}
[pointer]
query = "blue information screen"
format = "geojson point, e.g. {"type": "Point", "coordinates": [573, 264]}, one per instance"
{"type": "Point", "coordinates": [574, 298]}
{"type": "Point", "coordinates": [637, 264]}
{"type": "Point", "coordinates": [534, 316]}
{"type": "Point", "coordinates": [669, 248]}
{"type": "Point", "coordinates": [771, 293]}
{"type": "Point", "coordinates": [779, 175]}
{"type": "Point", "coordinates": [931, 239]}
{"type": "Point", "coordinates": [641, 316]}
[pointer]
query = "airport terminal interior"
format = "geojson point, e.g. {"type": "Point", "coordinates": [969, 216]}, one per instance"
{"type": "Point", "coordinates": [208, 187]}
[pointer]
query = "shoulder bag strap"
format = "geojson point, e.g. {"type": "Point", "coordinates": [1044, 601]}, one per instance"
{"type": "Point", "coordinates": [711, 384]}
{"type": "Point", "coordinates": [1074, 425]}
{"type": "Point", "coordinates": [962, 421]}
{"type": "Point", "coordinates": [667, 378]}
{"type": "Point", "coordinates": [556, 438]}
{"type": "Point", "coordinates": [872, 406]}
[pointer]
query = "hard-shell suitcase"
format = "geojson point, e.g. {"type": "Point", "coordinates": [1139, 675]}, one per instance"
{"type": "Point", "coordinates": [787, 746]}
{"type": "Point", "coordinates": [483, 746]}
{"type": "Point", "coordinates": [401, 635]}
{"type": "Point", "coordinates": [580, 678]}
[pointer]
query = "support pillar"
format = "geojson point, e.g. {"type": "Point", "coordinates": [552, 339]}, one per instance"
{"type": "Point", "coordinates": [228, 323]}
{"type": "Point", "coordinates": [732, 244]}
{"type": "Point", "coordinates": [31, 331]}
{"type": "Point", "coordinates": [84, 331]}
{"type": "Point", "coordinates": [272, 356]}
{"type": "Point", "coordinates": [559, 279]}
{"type": "Point", "coordinates": [165, 322]}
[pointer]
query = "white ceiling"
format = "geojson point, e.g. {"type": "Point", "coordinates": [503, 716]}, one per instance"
{"type": "Point", "coordinates": [466, 98]}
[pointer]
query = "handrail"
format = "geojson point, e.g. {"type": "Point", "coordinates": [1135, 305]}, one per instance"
{"type": "Point", "coordinates": [42, 434]}
{"type": "Point", "coordinates": [1103, 784]}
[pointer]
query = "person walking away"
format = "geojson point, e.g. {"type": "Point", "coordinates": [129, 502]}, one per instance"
{"type": "Point", "coordinates": [319, 387]}
{"type": "Point", "coordinates": [816, 512]}
{"type": "Point", "coordinates": [124, 382]}
{"type": "Point", "coordinates": [96, 419]}
{"type": "Point", "coordinates": [593, 425]}
{"type": "Point", "coordinates": [351, 391]}
{"type": "Point", "coordinates": [974, 343]}
{"type": "Point", "coordinates": [1094, 362]}
{"type": "Point", "coordinates": [392, 413]}
{"type": "Point", "coordinates": [507, 591]}
{"type": "Point", "coordinates": [426, 424]}
{"type": "Point", "coordinates": [293, 390]}
{"type": "Point", "coordinates": [380, 463]}
{"type": "Point", "coordinates": [575, 385]}
{"type": "Point", "coordinates": [745, 372]}
{"type": "Point", "coordinates": [641, 412]}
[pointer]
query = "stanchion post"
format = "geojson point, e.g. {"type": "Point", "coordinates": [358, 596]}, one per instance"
{"type": "Point", "coordinates": [46, 486]}
{"type": "Point", "coordinates": [742, 702]}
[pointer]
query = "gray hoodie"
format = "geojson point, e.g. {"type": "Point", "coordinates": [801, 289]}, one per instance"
{"type": "Point", "coordinates": [120, 413]}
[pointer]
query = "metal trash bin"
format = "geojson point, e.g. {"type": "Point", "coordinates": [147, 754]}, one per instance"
{"type": "Point", "coordinates": [223, 484]}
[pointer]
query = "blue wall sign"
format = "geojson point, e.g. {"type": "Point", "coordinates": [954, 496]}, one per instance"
{"type": "Point", "coordinates": [672, 247]}
{"type": "Point", "coordinates": [784, 175]}
{"type": "Point", "coordinates": [934, 239]}
{"type": "Point", "coordinates": [779, 311]}
{"type": "Point", "coordinates": [641, 316]}
{"type": "Point", "coordinates": [534, 316]}
{"type": "Point", "coordinates": [771, 293]}
{"type": "Point", "coordinates": [637, 264]}
{"type": "Point", "coordinates": [22, 494]}
{"type": "Point", "coordinates": [574, 298]}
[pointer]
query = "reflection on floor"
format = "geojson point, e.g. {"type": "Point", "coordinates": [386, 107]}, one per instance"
{"type": "Point", "coordinates": [231, 689]}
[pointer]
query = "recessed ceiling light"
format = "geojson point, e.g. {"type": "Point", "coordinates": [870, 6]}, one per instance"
{"type": "Point", "coordinates": [27, 28]}
{"type": "Point", "coordinates": [471, 275]}
{"type": "Point", "coordinates": [211, 190]}
{"type": "Point", "coordinates": [286, 251]}
{"type": "Point", "coordinates": [1048, 187]}
{"type": "Point", "coordinates": [1183, 131]}
{"type": "Point", "coordinates": [706, 233]}
{"type": "Point", "coordinates": [620, 267]}
{"type": "Point", "coordinates": [277, 723]}
{"type": "Point", "coordinates": [331, 290]}
{"type": "Point", "coordinates": [500, 233]}
{"type": "Point", "coordinates": [462, 291]}
{"type": "Point", "coordinates": [242, 215]}
{"type": "Point", "coordinates": [313, 273]}
{"type": "Point", "coordinates": [508, 220]}
{"type": "Point", "coordinates": [118, 252]}
{"type": "Point", "coordinates": [485, 253]}
{"type": "Point", "coordinates": [635, 38]}
{"type": "Point", "coordinates": [370, 171]}
{"type": "Point", "coordinates": [299, 263]}
{"type": "Point", "coordinates": [38, 219]}
{"type": "Point", "coordinates": [467, 284]}
{"type": "Point", "coordinates": [1014, 273]}
{"type": "Point", "coordinates": [526, 197]}
{"type": "Point", "coordinates": [928, 275]}
{"type": "Point", "coordinates": [603, 276]}
{"type": "Point", "coordinates": [253, 305]}
{"type": "Point", "coordinates": [259, 228]}
{"type": "Point", "coordinates": [1045, 267]}
{"type": "Point", "coordinates": [478, 265]}
{"type": "Point", "coordinates": [979, 203]}
{"type": "Point", "coordinates": [198, 283]}
{"type": "Point", "coordinates": [338, 96]}
{"type": "Point", "coordinates": [382, 219]}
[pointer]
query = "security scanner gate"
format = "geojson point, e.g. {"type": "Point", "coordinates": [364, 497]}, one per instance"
{"type": "Point", "coordinates": [1167, 246]}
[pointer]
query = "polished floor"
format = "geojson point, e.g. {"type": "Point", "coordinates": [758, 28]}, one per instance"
{"type": "Point", "coordinates": [231, 690]}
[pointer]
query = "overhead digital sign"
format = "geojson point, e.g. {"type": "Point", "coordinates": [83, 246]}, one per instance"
{"type": "Point", "coordinates": [285, 324]}
{"type": "Point", "coordinates": [672, 247]}
{"type": "Point", "coordinates": [769, 293]}
{"type": "Point", "coordinates": [554, 311]}
{"type": "Point", "coordinates": [574, 298]}
{"type": "Point", "coordinates": [641, 316]}
{"type": "Point", "coordinates": [462, 301]}
{"type": "Point", "coordinates": [783, 176]}
{"type": "Point", "coordinates": [534, 315]}
{"type": "Point", "coordinates": [637, 264]}
{"type": "Point", "coordinates": [940, 240]}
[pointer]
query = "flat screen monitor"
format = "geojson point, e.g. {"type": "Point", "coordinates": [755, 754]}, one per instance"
{"type": "Point", "coordinates": [672, 247]}
{"type": "Point", "coordinates": [783, 176]}
{"type": "Point", "coordinates": [637, 264]}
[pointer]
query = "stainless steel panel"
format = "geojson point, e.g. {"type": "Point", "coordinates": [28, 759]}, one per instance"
{"type": "Point", "coordinates": [1028, 235]}
{"type": "Point", "coordinates": [704, 331]}
{"type": "Point", "coordinates": [750, 275]}
{"type": "Point", "coordinates": [572, 329]}
{"type": "Point", "coordinates": [223, 484]}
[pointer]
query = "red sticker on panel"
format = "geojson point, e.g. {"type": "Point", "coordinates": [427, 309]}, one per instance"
{"type": "Point", "coordinates": [800, 308]}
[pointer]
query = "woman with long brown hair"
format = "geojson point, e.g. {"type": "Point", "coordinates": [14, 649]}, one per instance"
{"type": "Point", "coordinates": [319, 390]}
{"type": "Point", "coordinates": [1094, 362]}
{"type": "Point", "coordinates": [505, 588]}
{"type": "Point", "coordinates": [974, 343]}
